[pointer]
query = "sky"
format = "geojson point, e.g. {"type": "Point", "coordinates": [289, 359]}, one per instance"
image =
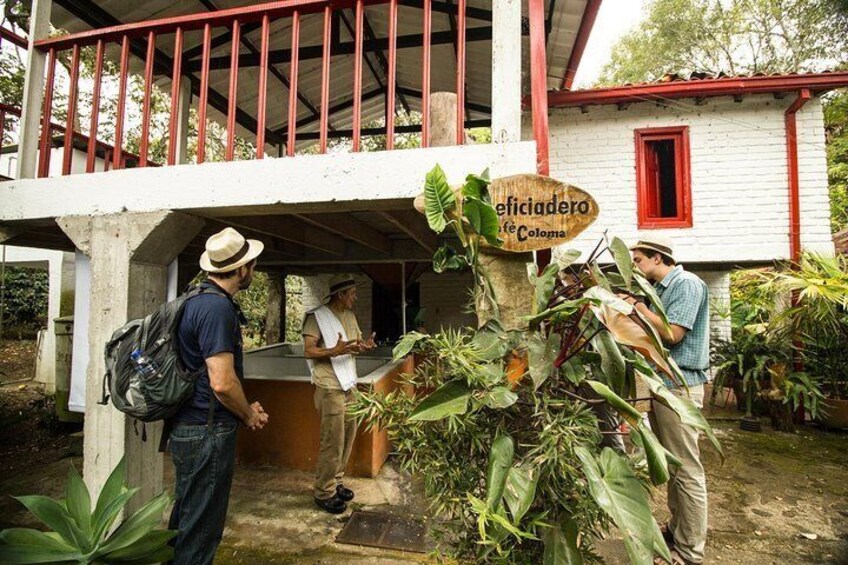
{"type": "Point", "coordinates": [615, 18]}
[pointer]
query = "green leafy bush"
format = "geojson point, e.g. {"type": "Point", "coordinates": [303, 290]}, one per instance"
{"type": "Point", "coordinates": [503, 426]}
{"type": "Point", "coordinates": [26, 295]}
{"type": "Point", "coordinates": [82, 535]}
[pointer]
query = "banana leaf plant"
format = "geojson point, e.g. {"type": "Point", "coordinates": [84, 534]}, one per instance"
{"type": "Point", "coordinates": [515, 466]}
{"type": "Point", "coordinates": [468, 212]}
{"type": "Point", "coordinates": [82, 534]}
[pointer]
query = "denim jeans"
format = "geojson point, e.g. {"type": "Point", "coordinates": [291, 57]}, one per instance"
{"type": "Point", "coordinates": [203, 464]}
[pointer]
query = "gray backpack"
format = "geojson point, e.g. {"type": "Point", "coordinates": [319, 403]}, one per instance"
{"type": "Point", "coordinates": [155, 394]}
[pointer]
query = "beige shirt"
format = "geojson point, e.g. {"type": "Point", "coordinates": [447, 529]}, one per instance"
{"type": "Point", "coordinates": [323, 374]}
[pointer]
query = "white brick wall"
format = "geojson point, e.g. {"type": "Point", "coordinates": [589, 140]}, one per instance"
{"type": "Point", "coordinates": [719, 285]}
{"type": "Point", "coordinates": [445, 298]}
{"type": "Point", "coordinates": [739, 174]}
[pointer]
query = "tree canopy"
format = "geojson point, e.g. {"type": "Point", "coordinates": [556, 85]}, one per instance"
{"type": "Point", "coordinates": [734, 37]}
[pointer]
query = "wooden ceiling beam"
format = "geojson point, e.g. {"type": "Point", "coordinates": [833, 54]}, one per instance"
{"type": "Point", "coordinates": [294, 230]}
{"type": "Point", "coordinates": [348, 226]}
{"type": "Point", "coordinates": [415, 226]}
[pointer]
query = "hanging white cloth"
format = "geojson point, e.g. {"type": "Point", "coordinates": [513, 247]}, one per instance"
{"type": "Point", "coordinates": [343, 365]}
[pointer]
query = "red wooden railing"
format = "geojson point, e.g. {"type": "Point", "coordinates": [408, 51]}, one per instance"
{"type": "Point", "coordinates": [105, 149]}
{"type": "Point", "coordinates": [139, 40]}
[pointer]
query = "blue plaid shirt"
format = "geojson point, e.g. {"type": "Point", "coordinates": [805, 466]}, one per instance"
{"type": "Point", "coordinates": [686, 299]}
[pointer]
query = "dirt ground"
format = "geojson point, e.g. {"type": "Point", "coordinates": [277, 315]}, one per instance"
{"type": "Point", "coordinates": [774, 492]}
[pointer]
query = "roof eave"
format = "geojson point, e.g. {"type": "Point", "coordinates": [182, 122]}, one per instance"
{"type": "Point", "coordinates": [815, 82]}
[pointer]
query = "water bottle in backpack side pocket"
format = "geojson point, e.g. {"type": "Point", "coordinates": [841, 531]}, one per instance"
{"type": "Point", "coordinates": [144, 366]}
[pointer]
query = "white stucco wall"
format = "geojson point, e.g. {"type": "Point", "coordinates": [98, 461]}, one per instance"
{"type": "Point", "coordinates": [740, 195]}
{"type": "Point", "coordinates": [287, 184]}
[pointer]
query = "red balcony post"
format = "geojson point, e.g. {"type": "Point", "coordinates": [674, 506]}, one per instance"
{"type": "Point", "coordinates": [73, 89]}
{"type": "Point", "coordinates": [390, 92]}
{"type": "Point", "coordinates": [539, 84]}
{"type": "Point", "coordinates": [425, 77]}
{"type": "Point", "coordinates": [95, 108]}
{"type": "Point", "coordinates": [357, 75]}
{"type": "Point", "coordinates": [460, 72]}
{"type": "Point", "coordinates": [231, 106]}
{"type": "Point", "coordinates": [293, 68]}
{"type": "Point", "coordinates": [204, 94]}
{"type": "Point", "coordinates": [145, 112]}
{"type": "Point", "coordinates": [263, 87]}
{"type": "Point", "coordinates": [175, 96]}
{"type": "Point", "coordinates": [46, 116]}
{"type": "Point", "coordinates": [117, 161]}
{"type": "Point", "coordinates": [325, 78]}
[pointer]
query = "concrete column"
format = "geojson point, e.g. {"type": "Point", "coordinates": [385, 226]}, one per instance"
{"type": "Point", "coordinates": [183, 109]}
{"type": "Point", "coordinates": [33, 96]}
{"type": "Point", "coordinates": [129, 254]}
{"type": "Point", "coordinates": [506, 70]}
{"type": "Point", "coordinates": [275, 317]}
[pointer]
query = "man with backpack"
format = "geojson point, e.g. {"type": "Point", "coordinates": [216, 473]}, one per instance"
{"type": "Point", "coordinates": [203, 432]}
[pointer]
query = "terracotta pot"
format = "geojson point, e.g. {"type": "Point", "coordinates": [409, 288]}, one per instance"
{"type": "Point", "coordinates": [836, 413]}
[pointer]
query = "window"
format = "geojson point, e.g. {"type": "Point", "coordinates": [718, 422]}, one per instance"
{"type": "Point", "coordinates": [664, 196]}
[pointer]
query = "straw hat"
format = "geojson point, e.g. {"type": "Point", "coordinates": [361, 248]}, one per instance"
{"type": "Point", "coordinates": [655, 243]}
{"type": "Point", "coordinates": [340, 283]}
{"type": "Point", "coordinates": [228, 250]}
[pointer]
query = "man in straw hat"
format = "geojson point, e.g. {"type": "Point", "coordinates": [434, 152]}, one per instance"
{"type": "Point", "coordinates": [331, 337]}
{"type": "Point", "coordinates": [203, 432]}
{"type": "Point", "coordinates": [685, 298]}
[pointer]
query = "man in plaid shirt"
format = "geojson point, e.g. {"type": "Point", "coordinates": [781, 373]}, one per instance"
{"type": "Point", "coordinates": [685, 299]}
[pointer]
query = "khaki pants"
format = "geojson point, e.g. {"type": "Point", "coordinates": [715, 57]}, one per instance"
{"type": "Point", "coordinates": [687, 488]}
{"type": "Point", "coordinates": [338, 430]}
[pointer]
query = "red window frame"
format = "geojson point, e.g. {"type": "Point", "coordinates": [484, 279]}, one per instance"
{"type": "Point", "coordinates": [647, 191]}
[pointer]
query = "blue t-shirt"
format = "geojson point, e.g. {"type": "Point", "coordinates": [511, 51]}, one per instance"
{"type": "Point", "coordinates": [210, 325]}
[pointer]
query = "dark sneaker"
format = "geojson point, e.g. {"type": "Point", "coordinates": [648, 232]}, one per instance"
{"type": "Point", "coordinates": [333, 505]}
{"type": "Point", "coordinates": [344, 493]}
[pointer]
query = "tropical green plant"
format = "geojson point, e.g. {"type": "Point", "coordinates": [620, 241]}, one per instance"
{"type": "Point", "coordinates": [474, 221]}
{"type": "Point", "coordinates": [515, 465]}
{"type": "Point", "coordinates": [816, 322]}
{"type": "Point", "coordinates": [83, 535]}
{"type": "Point", "coordinates": [26, 291]}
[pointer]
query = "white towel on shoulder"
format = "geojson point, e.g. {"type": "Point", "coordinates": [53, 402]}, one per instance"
{"type": "Point", "coordinates": [343, 365]}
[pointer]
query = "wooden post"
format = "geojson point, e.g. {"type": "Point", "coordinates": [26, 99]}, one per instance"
{"type": "Point", "coordinates": [275, 317]}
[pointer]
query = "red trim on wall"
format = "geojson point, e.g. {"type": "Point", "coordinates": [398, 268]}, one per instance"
{"type": "Point", "coordinates": [815, 82]}
{"type": "Point", "coordinates": [647, 217]}
{"type": "Point", "coordinates": [590, 14]}
{"type": "Point", "coordinates": [794, 182]}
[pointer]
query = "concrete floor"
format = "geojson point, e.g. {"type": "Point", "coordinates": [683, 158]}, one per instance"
{"type": "Point", "coordinates": [772, 488]}
{"type": "Point", "coordinates": [273, 519]}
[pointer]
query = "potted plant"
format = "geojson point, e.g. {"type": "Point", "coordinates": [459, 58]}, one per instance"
{"type": "Point", "coordinates": [82, 534]}
{"type": "Point", "coordinates": [816, 324]}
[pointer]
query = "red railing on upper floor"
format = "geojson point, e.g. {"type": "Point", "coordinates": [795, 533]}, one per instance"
{"type": "Point", "coordinates": [101, 148]}
{"type": "Point", "coordinates": [140, 38]}
{"type": "Point", "coordinates": [230, 27]}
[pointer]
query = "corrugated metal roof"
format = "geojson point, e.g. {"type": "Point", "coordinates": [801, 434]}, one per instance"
{"type": "Point", "coordinates": [565, 21]}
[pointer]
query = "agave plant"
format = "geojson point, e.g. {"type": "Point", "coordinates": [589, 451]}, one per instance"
{"type": "Point", "coordinates": [512, 454]}
{"type": "Point", "coordinates": [81, 535]}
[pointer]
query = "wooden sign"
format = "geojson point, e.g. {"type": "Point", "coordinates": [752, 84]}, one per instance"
{"type": "Point", "coordinates": [538, 212]}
